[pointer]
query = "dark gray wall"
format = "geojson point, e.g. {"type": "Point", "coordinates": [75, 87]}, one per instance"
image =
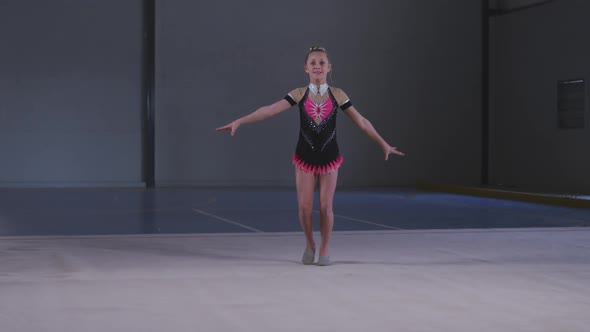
{"type": "Point", "coordinates": [411, 67]}
{"type": "Point", "coordinates": [70, 92]}
{"type": "Point", "coordinates": [531, 50]}
{"type": "Point", "coordinates": [512, 4]}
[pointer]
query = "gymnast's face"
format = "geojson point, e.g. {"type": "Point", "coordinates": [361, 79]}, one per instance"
{"type": "Point", "coordinates": [317, 67]}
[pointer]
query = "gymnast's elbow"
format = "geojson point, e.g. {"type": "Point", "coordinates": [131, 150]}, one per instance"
{"type": "Point", "coordinates": [364, 124]}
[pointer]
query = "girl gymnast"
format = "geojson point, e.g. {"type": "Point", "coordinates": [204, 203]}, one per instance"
{"type": "Point", "coordinates": [316, 156]}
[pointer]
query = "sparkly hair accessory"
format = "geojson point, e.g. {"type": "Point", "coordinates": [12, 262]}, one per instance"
{"type": "Point", "coordinates": [316, 49]}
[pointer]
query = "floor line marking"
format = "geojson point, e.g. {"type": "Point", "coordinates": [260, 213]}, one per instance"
{"type": "Point", "coordinates": [298, 233]}
{"type": "Point", "coordinates": [365, 222]}
{"type": "Point", "coordinates": [228, 221]}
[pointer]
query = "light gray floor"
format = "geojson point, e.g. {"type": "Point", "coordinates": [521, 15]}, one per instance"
{"type": "Point", "coordinates": [532, 279]}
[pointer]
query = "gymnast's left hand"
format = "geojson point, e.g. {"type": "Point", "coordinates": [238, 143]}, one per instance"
{"type": "Point", "coordinates": [391, 150]}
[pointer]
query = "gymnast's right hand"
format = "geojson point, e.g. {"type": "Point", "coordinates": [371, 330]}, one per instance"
{"type": "Point", "coordinates": [232, 126]}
